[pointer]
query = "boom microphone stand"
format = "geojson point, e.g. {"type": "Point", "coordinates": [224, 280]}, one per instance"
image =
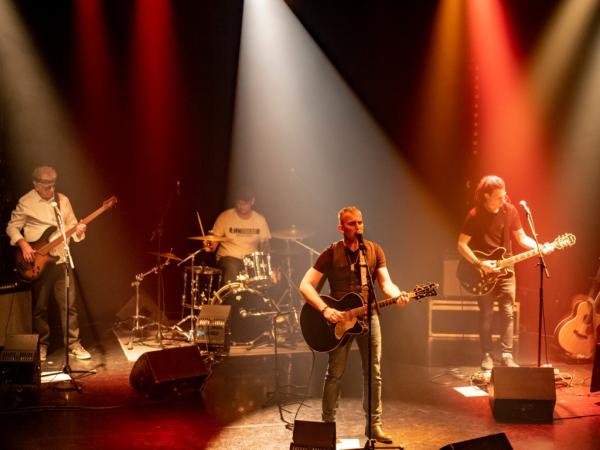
{"type": "Point", "coordinates": [543, 270]}
{"type": "Point", "coordinates": [370, 444]}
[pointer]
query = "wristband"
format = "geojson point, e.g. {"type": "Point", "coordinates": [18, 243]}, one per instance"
{"type": "Point", "coordinates": [323, 310]}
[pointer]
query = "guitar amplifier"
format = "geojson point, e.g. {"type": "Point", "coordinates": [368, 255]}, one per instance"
{"type": "Point", "coordinates": [212, 328]}
{"type": "Point", "coordinates": [460, 319]}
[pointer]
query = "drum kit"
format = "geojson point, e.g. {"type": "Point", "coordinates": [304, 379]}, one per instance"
{"type": "Point", "coordinates": [253, 314]}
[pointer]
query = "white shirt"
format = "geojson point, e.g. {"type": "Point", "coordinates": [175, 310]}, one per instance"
{"type": "Point", "coordinates": [33, 215]}
{"type": "Point", "coordinates": [242, 235]}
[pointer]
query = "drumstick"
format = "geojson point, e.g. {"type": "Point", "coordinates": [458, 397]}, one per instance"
{"type": "Point", "coordinates": [200, 222]}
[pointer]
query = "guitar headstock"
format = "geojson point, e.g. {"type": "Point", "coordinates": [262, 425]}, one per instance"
{"type": "Point", "coordinates": [106, 204]}
{"type": "Point", "coordinates": [564, 241]}
{"type": "Point", "coordinates": [425, 290]}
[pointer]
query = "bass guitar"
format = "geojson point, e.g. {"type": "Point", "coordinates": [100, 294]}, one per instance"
{"type": "Point", "coordinates": [324, 336]}
{"type": "Point", "coordinates": [478, 282]}
{"type": "Point", "coordinates": [30, 271]}
{"type": "Point", "coordinates": [576, 334]}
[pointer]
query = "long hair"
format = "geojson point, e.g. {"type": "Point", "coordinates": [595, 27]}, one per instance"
{"type": "Point", "coordinates": [487, 185]}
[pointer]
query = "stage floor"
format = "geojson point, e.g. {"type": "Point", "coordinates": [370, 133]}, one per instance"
{"type": "Point", "coordinates": [243, 405]}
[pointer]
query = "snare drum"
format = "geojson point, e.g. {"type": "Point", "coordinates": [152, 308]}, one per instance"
{"type": "Point", "coordinates": [258, 272]}
{"type": "Point", "coordinates": [250, 315]}
{"type": "Point", "coordinates": [204, 281]}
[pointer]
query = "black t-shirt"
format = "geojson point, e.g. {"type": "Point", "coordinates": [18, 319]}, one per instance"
{"type": "Point", "coordinates": [487, 229]}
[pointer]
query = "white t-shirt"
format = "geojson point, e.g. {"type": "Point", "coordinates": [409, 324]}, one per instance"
{"type": "Point", "coordinates": [242, 235]}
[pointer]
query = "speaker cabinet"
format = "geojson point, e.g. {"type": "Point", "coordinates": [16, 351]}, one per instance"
{"type": "Point", "coordinates": [522, 394]}
{"type": "Point", "coordinates": [313, 435]}
{"type": "Point", "coordinates": [169, 371]}
{"type": "Point", "coordinates": [20, 361]}
{"type": "Point", "coordinates": [492, 442]}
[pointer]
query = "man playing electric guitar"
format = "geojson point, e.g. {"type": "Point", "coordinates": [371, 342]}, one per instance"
{"type": "Point", "coordinates": [489, 226]}
{"type": "Point", "coordinates": [341, 264]}
{"type": "Point", "coordinates": [34, 214]}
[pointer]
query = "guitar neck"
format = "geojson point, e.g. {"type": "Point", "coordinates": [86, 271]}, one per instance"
{"type": "Point", "coordinates": [362, 310]}
{"type": "Point", "coordinates": [46, 248]}
{"type": "Point", "coordinates": [517, 258]}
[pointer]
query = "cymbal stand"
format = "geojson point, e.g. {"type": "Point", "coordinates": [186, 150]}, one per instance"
{"type": "Point", "coordinates": [136, 318]}
{"type": "Point", "coordinates": [292, 304]}
{"type": "Point", "coordinates": [194, 304]}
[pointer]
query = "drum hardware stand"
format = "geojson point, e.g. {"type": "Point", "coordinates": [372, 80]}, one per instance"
{"type": "Point", "coordinates": [191, 334]}
{"type": "Point", "coordinates": [136, 318]}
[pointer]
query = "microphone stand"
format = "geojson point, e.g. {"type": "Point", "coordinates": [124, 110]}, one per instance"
{"type": "Point", "coordinates": [371, 301]}
{"type": "Point", "coordinates": [543, 270]}
{"type": "Point", "coordinates": [68, 263]}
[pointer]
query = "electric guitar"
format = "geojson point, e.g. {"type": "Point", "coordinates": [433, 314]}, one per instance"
{"type": "Point", "coordinates": [30, 271]}
{"type": "Point", "coordinates": [324, 336]}
{"type": "Point", "coordinates": [576, 334]}
{"type": "Point", "coordinates": [478, 282]}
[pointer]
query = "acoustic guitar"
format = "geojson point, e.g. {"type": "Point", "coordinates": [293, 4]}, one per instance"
{"type": "Point", "coordinates": [324, 336]}
{"type": "Point", "coordinates": [576, 334]}
{"type": "Point", "coordinates": [478, 282]}
{"type": "Point", "coordinates": [30, 271]}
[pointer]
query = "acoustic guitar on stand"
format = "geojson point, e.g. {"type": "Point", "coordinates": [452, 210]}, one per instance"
{"type": "Point", "coordinates": [30, 271]}
{"type": "Point", "coordinates": [478, 282]}
{"type": "Point", "coordinates": [576, 334]}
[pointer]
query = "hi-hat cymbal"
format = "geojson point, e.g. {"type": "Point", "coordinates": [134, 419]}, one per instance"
{"type": "Point", "coordinates": [208, 237]}
{"type": "Point", "coordinates": [291, 233]}
{"type": "Point", "coordinates": [167, 255]}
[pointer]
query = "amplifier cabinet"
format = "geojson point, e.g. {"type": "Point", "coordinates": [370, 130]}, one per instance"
{"type": "Point", "coordinates": [459, 318]}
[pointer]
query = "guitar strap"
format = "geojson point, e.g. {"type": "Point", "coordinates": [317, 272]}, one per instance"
{"type": "Point", "coordinates": [507, 241]}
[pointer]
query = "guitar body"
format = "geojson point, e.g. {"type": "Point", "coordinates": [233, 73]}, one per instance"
{"type": "Point", "coordinates": [324, 336]}
{"type": "Point", "coordinates": [31, 271]}
{"type": "Point", "coordinates": [476, 281]}
{"type": "Point", "coordinates": [575, 334]}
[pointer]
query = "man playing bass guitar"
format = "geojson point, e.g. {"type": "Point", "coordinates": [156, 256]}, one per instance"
{"type": "Point", "coordinates": [489, 226]}
{"type": "Point", "coordinates": [341, 264]}
{"type": "Point", "coordinates": [35, 214]}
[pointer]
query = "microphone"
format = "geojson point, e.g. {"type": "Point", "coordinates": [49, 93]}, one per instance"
{"type": "Point", "coordinates": [54, 204]}
{"type": "Point", "coordinates": [525, 207]}
{"type": "Point", "coordinates": [361, 242]}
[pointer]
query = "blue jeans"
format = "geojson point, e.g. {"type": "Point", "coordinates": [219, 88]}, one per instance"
{"type": "Point", "coordinates": [231, 267]}
{"type": "Point", "coordinates": [504, 293]}
{"type": "Point", "coordinates": [338, 359]}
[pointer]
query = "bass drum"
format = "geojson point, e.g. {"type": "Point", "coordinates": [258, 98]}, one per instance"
{"type": "Point", "coordinates": [250, 315]}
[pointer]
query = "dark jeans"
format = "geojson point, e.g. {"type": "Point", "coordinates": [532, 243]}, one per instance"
{"type": "Point", "coordinates": [338, 359]}
{"type": "Point", "coordinates": [52, 284]}
{"type": "Point", "coordinates": [504, 293]}
{"type": "Point", "coordinates": [230, 267]}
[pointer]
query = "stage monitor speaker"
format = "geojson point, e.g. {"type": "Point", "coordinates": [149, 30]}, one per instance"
{"type": "Point", "coordinates": [169, 371]}
{"type": "Point", "coordinates": [20, 360]}
{"type": "Point", "coordinates": [522, 394]}
{"type": "Point", "coordinates": [595, 384]}
{"type": "Point", "coordinates": [492, 442]}
{"type": "Point", "coordinates": [313, 435]}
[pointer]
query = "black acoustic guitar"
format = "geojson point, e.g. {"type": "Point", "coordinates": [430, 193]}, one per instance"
{"type": "Point", "coordinates": [478, 282]}
{"type": "Point", "coordinates": [31, 271]}
{"type": "Point", "coordinates": [324, 336]}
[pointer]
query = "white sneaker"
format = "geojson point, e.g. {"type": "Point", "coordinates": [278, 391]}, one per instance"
{"type": "Point", "coordinates": [79, 352]}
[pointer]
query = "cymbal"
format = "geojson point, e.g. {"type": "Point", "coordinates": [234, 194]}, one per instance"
{"type": "Point", "coordinates": [167, 255]}
{"type": "Point", "coordinates": [208, 237]}
{"type": "Point", "coordinates": [291, 233]}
